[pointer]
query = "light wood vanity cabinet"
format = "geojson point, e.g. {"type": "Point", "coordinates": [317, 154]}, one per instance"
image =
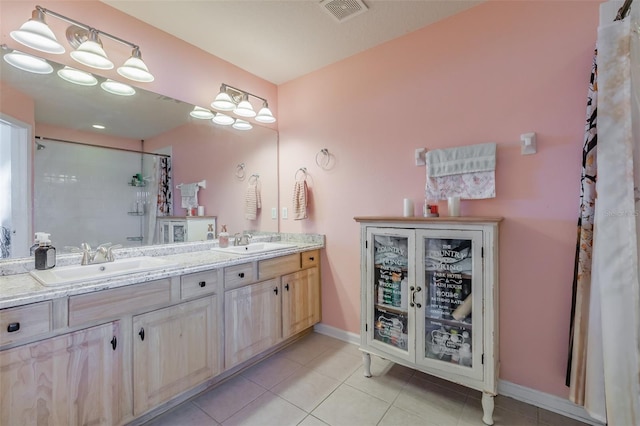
{"type": "Point", "coordinates": [174, 350]}
{"type": "Point", "coordinates": [108, 357]}
{"type": "Point", "coordinates": [72, 379]}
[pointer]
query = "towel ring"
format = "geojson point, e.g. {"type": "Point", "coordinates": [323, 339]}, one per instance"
{"type": "Point", "coordinates": [303, 170]}
{"type": "Point", "coordinates": [240, 173]}
{"type": "Point", "coordinates": [255, 177]}
{"type": "Point", "coordinates": [323, 161]}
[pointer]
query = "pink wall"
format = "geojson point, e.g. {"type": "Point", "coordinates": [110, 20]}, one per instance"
{"type": "Point", "coordinates": [487, 75]}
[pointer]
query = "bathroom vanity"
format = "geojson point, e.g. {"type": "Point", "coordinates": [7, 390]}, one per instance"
{"type": "Point", "coordinates": [429, 295]}
{"type": "Point", "coordinates": [121, 350]}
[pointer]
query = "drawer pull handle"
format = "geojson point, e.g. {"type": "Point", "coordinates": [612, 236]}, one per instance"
{"type": "Point", "coordinates": [14, 326]}
{"type": "Point", "coordinates": [286, 286]}
{"type": "Point", "coordinates": [241, 274]}
{"type": "Point", "coordinates": [311, 258]}
{"type": "Point", "coordinates": [202, 283]}
{"type": "Point", "coordinates": [275, 290]}
{"type": "Point", "coordinates": [114, 343]}
{"type": "Point", "coordinates": [141, 334]}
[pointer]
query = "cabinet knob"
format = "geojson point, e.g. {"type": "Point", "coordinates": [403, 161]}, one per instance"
{"type": "Point", "coordinates": [114, 343]}
{"type": "Point", "coordinates": [412, 288]}
{"type": "Point", "coordinates": [141, 334]}
{"type": "Point", "coordinates": [14, 326]}
{"type": "Point", "coordinates": [275, 290]}
{"type": "Point", "coordinates": [286, 286]}
{"type": "Point", "coordinates": [202, 283]}
{"type": "Point", "coordinates": [241, 274]}
{"type": "Point", "coordinates": [311, 258]}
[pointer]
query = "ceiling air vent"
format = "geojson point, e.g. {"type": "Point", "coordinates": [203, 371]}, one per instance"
{"type": "Point", "coordinates": [341, 10]}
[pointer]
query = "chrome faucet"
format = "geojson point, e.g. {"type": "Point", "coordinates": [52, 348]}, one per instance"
{"type": "Point", "coordinates": [241, 240]}
{"type": "Point", "coordinates": [103, 254]}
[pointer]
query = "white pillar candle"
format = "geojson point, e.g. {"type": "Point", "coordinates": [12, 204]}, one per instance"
{"type": "Point", "coordinates": [453, 205]}
{"type": "Point", "coordinates": [408, 207]}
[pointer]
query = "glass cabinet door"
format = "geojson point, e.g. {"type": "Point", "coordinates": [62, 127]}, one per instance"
{"type": "Point", "coordinates": [391, 256]}
{"type": "Point", "coordinates": [450, 279]}
{"type": "Point", "coordinates": [179, 232]}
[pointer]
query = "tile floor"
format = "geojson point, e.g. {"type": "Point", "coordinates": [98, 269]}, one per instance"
{"type": "Point", "coordinates": [319, 381]}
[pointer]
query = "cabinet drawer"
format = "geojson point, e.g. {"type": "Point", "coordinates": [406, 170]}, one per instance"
{"type": "Point", "coordinates": [277, 266]}
{"type": "Point", "coordinates": [25, 321]}
{"type": "Point", "coordinates": [198, 284]}
{"type": "Point", "coordinates": [310, 258]}
{"type": "Point", "coordinates": [238, 275]}
{"type": "Point", "coordinates": [112, 303]}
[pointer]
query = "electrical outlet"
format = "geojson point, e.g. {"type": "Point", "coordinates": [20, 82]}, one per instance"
{"type": "Point", "coordinates": [285, 213]}
{"type": "Point", "coordinates": [274, 213]}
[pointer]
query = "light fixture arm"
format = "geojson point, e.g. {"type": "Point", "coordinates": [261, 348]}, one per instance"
{"type": "Point", "coordinates": [244, 92]}
{"type": "Point", "coordinates": [86, 27]}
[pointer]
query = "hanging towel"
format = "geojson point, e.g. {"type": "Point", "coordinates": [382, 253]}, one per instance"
{"type": "Point", "coordinates": [300, 200]}
{"type": "Point", "coordinates": [465, 172]}
{"type": "Point", "coordinates": [189, 193]}
{"type": "Point", "coordinates": [252, 201]}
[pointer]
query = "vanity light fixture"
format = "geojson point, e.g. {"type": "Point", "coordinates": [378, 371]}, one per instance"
{"type": "Point", "coordinates": [29, 63]}
{"type": "Point", "coordinates": [233, 99]}
{"type": "Point", "coordinates": [117, 88]}
{"type": "Point", "coordinates": [36, 34]}
{"type": "Point", "coordinates": [75, 76]}
{"type": "Point", "coordinates": [201, 113]}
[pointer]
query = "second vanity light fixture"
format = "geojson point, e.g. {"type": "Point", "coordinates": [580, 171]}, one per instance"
{"type": "Point", "coordinates": [36, 34]}
{"type": "Point", "coordinates": [232, 99]}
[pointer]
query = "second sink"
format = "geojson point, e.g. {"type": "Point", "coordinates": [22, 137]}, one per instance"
{"type": "Point", "coordinates": [255, 248]}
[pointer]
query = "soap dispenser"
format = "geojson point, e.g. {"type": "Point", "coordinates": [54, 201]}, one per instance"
{"type": "Point", "coordinates": [36, 242]}
{"type": "Point", "coordinates": [45, 253]}
{"type": "Point", "coordinates": [223, 237]}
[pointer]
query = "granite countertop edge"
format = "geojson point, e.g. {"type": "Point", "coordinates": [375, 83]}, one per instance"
{"type": "Point", "coordinates": [21, 289]}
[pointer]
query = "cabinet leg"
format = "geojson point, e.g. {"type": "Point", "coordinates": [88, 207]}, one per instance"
{"type": "Point", "coordinates": [366, 360]}
{"type": "Point", "coordinates": [487, 408]}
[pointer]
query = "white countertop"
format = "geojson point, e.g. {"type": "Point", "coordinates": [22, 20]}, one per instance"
{"type": "Point", "coordinates": [21, 289]}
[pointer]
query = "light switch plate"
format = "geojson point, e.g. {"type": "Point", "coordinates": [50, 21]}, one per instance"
{"type": "Point", "coordinates": [285, 213]}
{"type": "Point", "coordinates": [274, 213]}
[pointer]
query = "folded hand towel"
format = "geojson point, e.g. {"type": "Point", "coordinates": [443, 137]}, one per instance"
{"type": "Point", "coordinates": [300, 200]}
{"type": "Point", "coordinates": [252, 201]}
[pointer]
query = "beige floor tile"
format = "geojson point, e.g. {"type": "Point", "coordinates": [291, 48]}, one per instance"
{"type": "Point", "coordinates": [348, 406]}
{"type": "Point", "coordinates": [312, 421]}
{"type": "Point", "coordinates": [385, 385]}
{"type": "Point", "coordinates": [306, 388]}
{"type": "Point", "coordinates": [336, 364]}
{"type": "Point", "coordinates": [446, 384]}
{"type": "Point", "coordinates": [271, 371]}
{"type": "Point", "coordinates": [267, 410]}
{"type": "Point", "coordinates": [227, 399]}
{"type": "Point", "coordinates": [397, 416]}
{"type": "Point", "coordinates": [549, 418]}
{"type": "Point", "coordinates": [472, 416]}
{"type": "Point", "coordinates": [185, 414]}
{"type": "Point", "coordinates": [438, 404]}
{"type": "Point", "coordinates": [306, 349]}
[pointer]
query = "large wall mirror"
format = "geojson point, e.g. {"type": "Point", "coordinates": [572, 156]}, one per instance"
{"type": "Point", "coordinates": [77, 177]}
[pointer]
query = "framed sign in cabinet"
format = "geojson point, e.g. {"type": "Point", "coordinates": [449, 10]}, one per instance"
{"type": "Point", "coordinates": [429, 292]}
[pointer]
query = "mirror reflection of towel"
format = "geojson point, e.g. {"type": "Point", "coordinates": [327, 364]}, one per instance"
{"type": "Point", "coordinates": [252, 201]}
{"type": "Point", "coordinates": [300, 200]}
{"type": "Point", "coordinates": [189, 193]}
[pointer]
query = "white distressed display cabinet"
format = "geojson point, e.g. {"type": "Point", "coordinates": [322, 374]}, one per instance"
{"type": "Point", "coordinates": [429, 294]}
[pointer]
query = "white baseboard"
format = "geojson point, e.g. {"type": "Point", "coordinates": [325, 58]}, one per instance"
{"type": "Point", "coordinates": [543, 400]}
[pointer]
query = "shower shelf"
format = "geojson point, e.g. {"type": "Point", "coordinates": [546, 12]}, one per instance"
{"type": "Point", "coordinates": [135, 213]}
{"type": "Point", "coordinates": [138, 184]}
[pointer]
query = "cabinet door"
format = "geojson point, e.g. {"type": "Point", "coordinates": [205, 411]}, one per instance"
{"type": "Point", "coordinates": [73, 379]}
{"type": "Point", "coordinates": [390, 280]}
{"type": "Point", "coordinates": [178, 232]}
{"type": "Point", "coordinates": [450, 328]}
{"type": "Point", "coordinates": [174, 349]}
{"type": "Point", "coordinates": [300, 301]}
{"type": "Point", "coordinates": [252, 320]}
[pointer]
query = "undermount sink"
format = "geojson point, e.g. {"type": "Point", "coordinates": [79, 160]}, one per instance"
{"type": "Point", "coordinates": [77, 273]}
{"type": "Point", "coordinates": [254, 248]}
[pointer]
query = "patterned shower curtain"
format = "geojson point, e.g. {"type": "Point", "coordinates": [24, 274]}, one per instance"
{"type": "Point", "coordinates": [165, 195]}
{"type": "Point", "coordinates": [582, 271]}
